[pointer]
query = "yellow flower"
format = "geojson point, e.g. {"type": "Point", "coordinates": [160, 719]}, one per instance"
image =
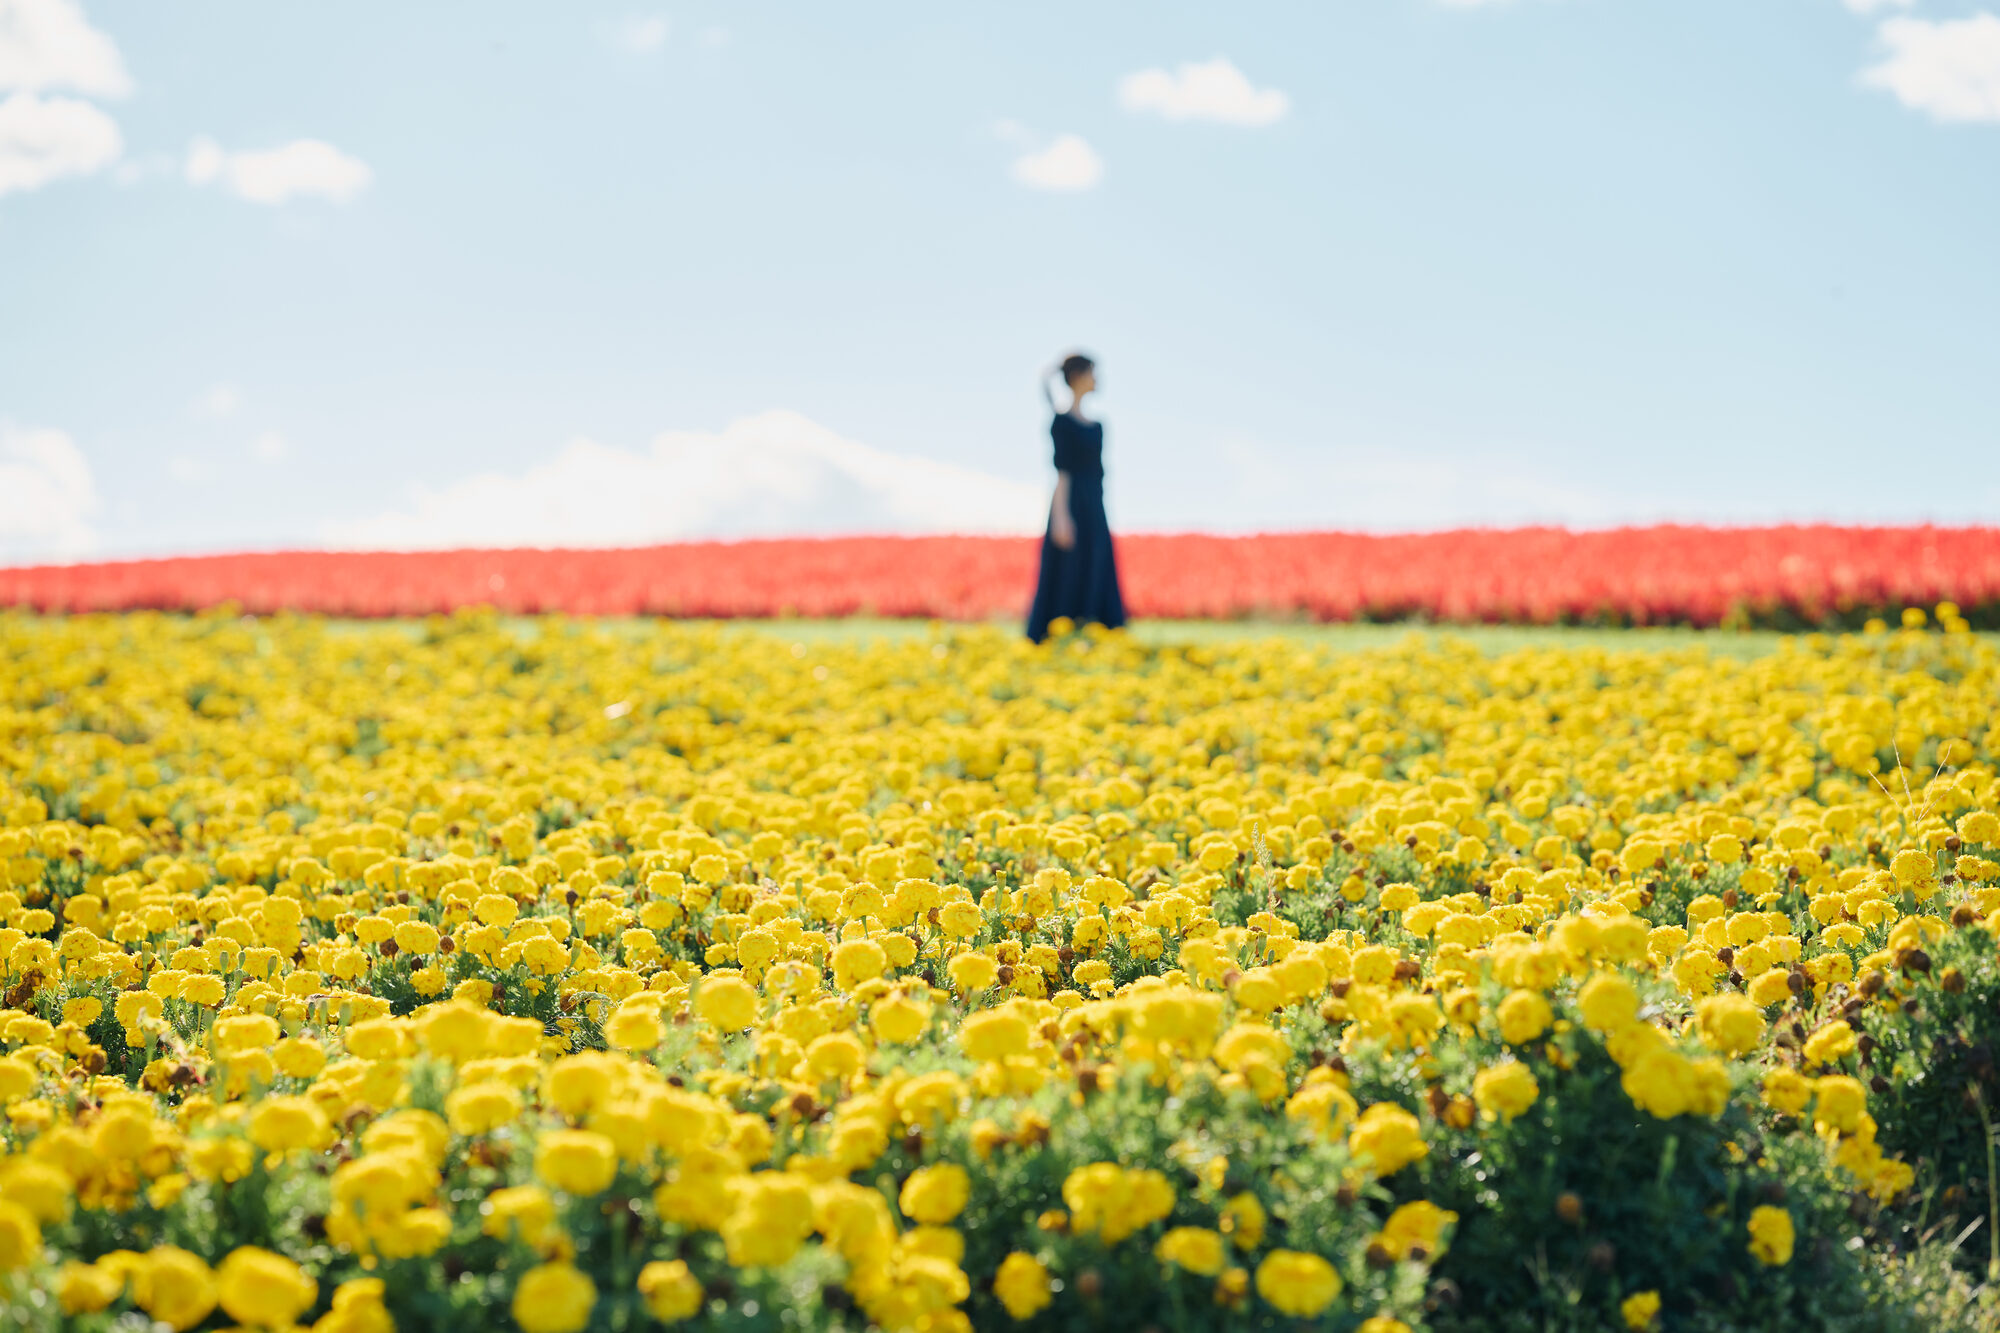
{"type": "Point", "coordinates": [671, 1292]}
{"type": "Point", "coordinates": [1386, 1139]}
{"type": "Point", "coordinates": [289, 1124]}
{"type": "Point", "coordinates": [553, 1298]}
{"type": "Point", "coordinates": [1786, 1090]}
{"type": "Point", "coordinates": [1771, 1235]}
{"type": "Point", "coordinates": [994, 1035]}
{"type": "Point", "coordinates": [1417, 1225]}
{"type": "Point", "coordinates": [1835, 1041]}
{"type": "Point", "coordinates": [1022, 1285]}
{"type": "Point", "coordinates": [1842, 1103]}
{"type": "Point", "coordinates": [1196, 1249]}
{"type": "Point", "coordinates": [727, 1003]}
{"type": "Point", "coordinates": [1608, 1002]}
{"type": "Point", "coordinates": [481, 1108]}
{"type": "Point", "coordinates": [578, 1161]}
{"type": "Point", "coordinates": [357, 1308]}
{"type": "Point", "coordinates": [1730, 1023]}
{"type": "Point", "coordinates": [1297, 1284]}
{"type": "Point", "coordinates": [935, 1195]}
{"type": "Point", "coordinates": [86, 1288]}
{"type": "Point", "coordinates": [263, 1290]}
{"type": "Point", "coordinates": [1243, 1220]}
{"type": "Point", "coordinates": [1524, 1015]}
{"type": "Point", "coordinates": [525, 1212]}
{"type": "Point", "coordinates": [1640, 1308]}
{"type": "Point", "coordinates": [1504, 1091]}
{"type": "Point", "coordinates": [20, 1236]}
{"type": "Point", "coordinates": [174, 1287]}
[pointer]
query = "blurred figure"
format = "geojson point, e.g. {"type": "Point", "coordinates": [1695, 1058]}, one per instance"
{"type": "Point", "coordinates": [1079, 577]}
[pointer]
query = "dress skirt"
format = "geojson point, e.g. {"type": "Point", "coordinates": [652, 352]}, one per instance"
{"type": "Point", "coordinates": [1081, 583]}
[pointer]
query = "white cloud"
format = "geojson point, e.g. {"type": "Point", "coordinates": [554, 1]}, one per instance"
{"type": "Point", "coordinates": [640, 34]}
{"type": "Point", "coordinates": [270, 447]}
{"type": "Point", "coordinates": [1068, 163]}
{"type": "Point", "coordinates": [302, 168]}
{"type": "Point", "coordinates": [220, 401]}
{"type": "Point", "coordinates": [773, 474]}
{"type": "Point", "coordinates": [1214, 91]}
{"type": "Point", "coordinates": [186, 470]}
{"type": "Point", "coordinates": [45, 138]}
{"type": "Point", "coordinates": [47, 495]}
{"type": "Point", "coordinates": [1870, 6]}
{"type": "Point", "coordinates": [1949, 68]}
{"type": "Point", "coordinates": [47, 44]}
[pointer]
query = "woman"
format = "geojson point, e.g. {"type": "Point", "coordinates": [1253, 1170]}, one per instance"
{"type": "Point", "coordinates": [1079, 578]}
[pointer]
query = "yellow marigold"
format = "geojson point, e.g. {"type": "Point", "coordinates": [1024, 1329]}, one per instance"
{"type": "Point", "coordinates": [518, 1212]}
{"type": "Point", "coordinates": [174, 1287]}
{"type": "Point", "coordinates": [1835, 1041]}
{"type": "Point", "coordinates": [1608, 1002]}
{"type": "Point", "coordinates": [1505, 1090]}
{"type": "Point", "coordinates": [1842, 1103]}
{"type": "Point", "coordinates": [1197, 1249]}
{"type": "Point", "coordinates": [1730, 1023]}
{"type": "Point", "coordinates": [578, 1161]}
{"type": "Point", "coordinates": [1382, 1323]}
{"type": "Point", "coordinates": [1524, 1015]}
{"type": "Point", "coordinates": [994, 1034]}
{"type": "Point", "coordinates": [20, 1236]}
{"type": "Point", "coordinates": [289, 1124]}
{"type": "Point", "coordinates": [553, 1298]}
{"type": "Point", "coordinates": [856, 961]}
{"type": "Point", "coordinates": [357, 1308]}
{"type": "Point", "coordinates": [670, 1291]}
{"type": "Point", "coordinates": [1022, 1285]}
{"type": "Point", "coordinates": [1786, 1090]}
{"type": "Point", "coordinates": [728, 1004]}
{"type": "Point", "coordinates": [634, 1028]}
{"type": "Point", "coordinates": [1417, 1225]}
{"type": "Point", "coordinates": [1387, 1138]}
{"type": "Point", "coordinates": [973, 971]}
{"type": "Point", "coordinates": [263, 1290]}
{"type": "Point", "coordinates": [481, 1108]}
{"type": "Point", "coordinates": [1640, 1309]}
{"type": "Point", "coordinates": [935, 1195]}
{"type": "Point", "coordinates": [1296, 1283]}
{"type": "Point", "coordinates": [1242, 1220]}
{"type": "Point", "coordinates": [86, 1288]}
{"type": "Point", "coordinates": [1913, 866]}
{"type": "Point", "coordinates": [1771, 1235]}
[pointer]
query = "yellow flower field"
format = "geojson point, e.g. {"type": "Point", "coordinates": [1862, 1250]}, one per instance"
{"type": "Point", "coordinates": [470, 975]}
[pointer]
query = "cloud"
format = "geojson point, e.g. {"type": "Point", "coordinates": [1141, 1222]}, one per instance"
{"type": "Point", "coordinates": [300, 169]}
{"type": "Point", "coordinates": [640, 34]}
{"type": "Point", "coordinates": [47, 495]}
{"type": "Point", "coordinates": [773, 474]}
{"type": "Point", "coordinates": [1870, 6]}
{"type": "Point", "coordinates": [186, 470]}
{"type": "Point", "coordinates": [45, 138]}
{"type": "Point", "coordinates": [46, 44]}
{"type": "Point", "coordinates": [270, 447]}
{"type": "Point", "coordinates": [1949, 68]}
{"type": "Point", "coordinates": [1214, 91]}
{"type": "Point", "coordinates": [219, 402]}
{"type": "Point", "coordinates": [1068, 163]}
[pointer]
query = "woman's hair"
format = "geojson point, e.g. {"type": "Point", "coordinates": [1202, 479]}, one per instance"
{"type": "Point", "coordinates": [1072, 368]}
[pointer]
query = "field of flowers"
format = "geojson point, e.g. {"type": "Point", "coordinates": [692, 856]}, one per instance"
{"type": "Point", "coordinates": [478, 975]}
{"type": "Point", "coordinates": [1782, 577]}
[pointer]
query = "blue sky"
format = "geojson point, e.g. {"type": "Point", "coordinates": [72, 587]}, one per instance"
{"type": "Point", "coordinates": [395, 274]}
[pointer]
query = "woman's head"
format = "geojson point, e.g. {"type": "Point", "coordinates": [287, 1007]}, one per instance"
{"type": "Point", "coordinates": [1079, 372]}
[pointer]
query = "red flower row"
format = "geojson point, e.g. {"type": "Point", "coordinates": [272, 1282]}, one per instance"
{"type": "Point", "coordinates": [1804, 575]}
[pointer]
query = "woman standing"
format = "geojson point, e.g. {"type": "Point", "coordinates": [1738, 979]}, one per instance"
{"type": "Point", "coordinates": [1079, 578]}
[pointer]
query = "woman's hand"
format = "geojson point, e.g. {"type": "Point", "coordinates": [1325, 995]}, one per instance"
{"type": "Point", "coordinates": [1062, 523]}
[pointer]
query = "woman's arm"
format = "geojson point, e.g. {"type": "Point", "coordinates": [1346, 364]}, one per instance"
{"type": "Point", "coordinates": [1062, 526]}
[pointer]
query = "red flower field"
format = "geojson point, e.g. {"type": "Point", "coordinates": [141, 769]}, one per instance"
{"type": "Point", "coordinates": [1792, 575]}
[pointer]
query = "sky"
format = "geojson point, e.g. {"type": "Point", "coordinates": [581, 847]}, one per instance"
{"type": "Point", "coordinates": [492, 272]}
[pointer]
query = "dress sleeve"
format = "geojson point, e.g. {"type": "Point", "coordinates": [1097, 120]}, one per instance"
{"type": "Point", "coordinates": [1064, 433]}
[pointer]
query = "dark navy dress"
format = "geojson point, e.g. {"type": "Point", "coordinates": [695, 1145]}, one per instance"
{"type": "Point", "coordinates": [1082, 582]}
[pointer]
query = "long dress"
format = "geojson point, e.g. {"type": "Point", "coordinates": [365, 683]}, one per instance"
{"type": "Point", "coordinates": [1082, 582]}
